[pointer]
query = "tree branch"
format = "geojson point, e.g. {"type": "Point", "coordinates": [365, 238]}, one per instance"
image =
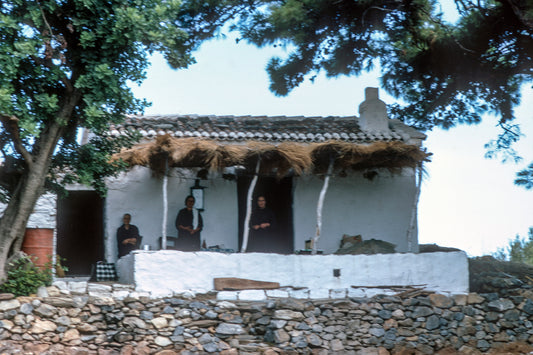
{"type": "Point", "coordinates": [10, 123]}
{"type": "Point", "coordinates": [49, 64]}
{"type": "Point", "coordinates": [448, 31]}
{"type": "Point", "coordinates": [45, 20]}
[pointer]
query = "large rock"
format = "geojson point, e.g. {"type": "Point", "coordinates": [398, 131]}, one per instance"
{"type": "Point", "coordinates": [43, 326]}
{"type": "Point", "coordinates": [500, 305]}
{"type": "Point", "coordinates": [9, 304]}
{"type": "Point", "coordinates": [229, 329]}
{"type": "Point", "coordinates": [71, 334]}
{"type": "Point", "coordinates": [440, 301]}
{"type": "Point", "coordinates": [286, 314]}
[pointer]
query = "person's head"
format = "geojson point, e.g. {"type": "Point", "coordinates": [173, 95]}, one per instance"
{"type": "Point", "coordinates": [261, 202]}
{"type": "Point", "coordinates": [189, 202]}
{"type": "Point", "coordinates": [126, 219]}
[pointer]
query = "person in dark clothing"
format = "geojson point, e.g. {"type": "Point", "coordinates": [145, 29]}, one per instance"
{"type": "Point", "coordinates": [262, 225]}
{"type": "Point", "coordinates": [189, 224]}
{"type": "Point", "coordinates": [128, 236]}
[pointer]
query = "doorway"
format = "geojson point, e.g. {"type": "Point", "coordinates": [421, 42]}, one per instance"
{"type": "Point", "coordinates": [278, 194]}
{"type": "Point", "coordinates": [80, 231]}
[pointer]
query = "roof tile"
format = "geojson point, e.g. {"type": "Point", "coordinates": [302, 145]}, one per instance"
{"type": "Point", "coordinates": [264, 128]}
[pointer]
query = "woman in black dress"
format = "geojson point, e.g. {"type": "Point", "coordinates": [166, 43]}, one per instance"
{"type": "Point", "coordinates": [262, 224]}
{"type": "Point", "coordinates": [189, 224]}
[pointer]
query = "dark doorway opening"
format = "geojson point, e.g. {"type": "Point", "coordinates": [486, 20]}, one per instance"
{"type": "Point", "coordinates": [80, 231]}
{"type": "Point", "coordinates": [278, 194]}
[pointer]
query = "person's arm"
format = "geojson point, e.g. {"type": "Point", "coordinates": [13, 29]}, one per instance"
{"type": "Point", "coordinates": [177, 223]}
{"type": "Point", "coordinates": [137, 236]}
{"type": "Point", "coordinates": [180, 222]}
{"type": "Point", "coordinates": [270, 220]}
{"type": "Point", "coordinates": [123, 240]}
{"type": "Point", "coordinates": [200, 223]}
{"type": "Point", "coordinates": [135, 231]}
{"type": "Point", "coordinates": [120, 237]}
{"type": "Point", "coordinates": [254, 223]}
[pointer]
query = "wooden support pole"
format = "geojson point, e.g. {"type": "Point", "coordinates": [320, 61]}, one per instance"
{"type": "Point", "coordinates": [249, 202]}
{"type": "Point", "coordinates": [414, 210]}
{"type": "Point", "coordinates": [320, 205]}
{"type": "Point", "coordinates": [165, 208]}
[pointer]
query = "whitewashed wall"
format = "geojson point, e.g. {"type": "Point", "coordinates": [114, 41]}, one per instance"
{"type": "Point", "coordinates": [43, 216]}
{"type": "Point", "coordinates": [379, 209]}
{"type": "Point", "coordinates": [167, 272]}
{"type": "Point", "coordinates": [44, 213]}
{"type": "Point", "coordinates": [140, 193]}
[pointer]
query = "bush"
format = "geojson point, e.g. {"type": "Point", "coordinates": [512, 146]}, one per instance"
{"type": "Point", "coordinates": [24, 278]}
{"type": "Point", "coordinates": [519, 250]}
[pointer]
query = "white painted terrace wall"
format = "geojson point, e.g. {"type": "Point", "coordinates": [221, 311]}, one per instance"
{"type": "Point", "coordinates": [379, 209]}
{"type": "Point", "coordinates": [168, 272]}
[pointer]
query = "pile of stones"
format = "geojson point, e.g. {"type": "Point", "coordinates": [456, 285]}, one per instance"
{"type": "Point", "coordinates": [105, 319]}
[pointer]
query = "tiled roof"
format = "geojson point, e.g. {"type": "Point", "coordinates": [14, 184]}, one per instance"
{"type": "Point", "coordinates": [265, 128]}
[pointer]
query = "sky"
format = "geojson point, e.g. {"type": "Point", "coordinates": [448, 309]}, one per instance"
{"type": "Point", "coordinates": [467, 201]}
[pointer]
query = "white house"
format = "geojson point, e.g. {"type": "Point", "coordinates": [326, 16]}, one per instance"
{"type": "Point", "coordinates": [374, 184]}
{"type": "Point", "coordinates": [375, 197]}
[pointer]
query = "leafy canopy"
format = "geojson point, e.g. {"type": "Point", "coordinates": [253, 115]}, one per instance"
{"type": "Point", "coordinates": [68, 64]}
{"type": "Point", "coordinates": [446, 74]}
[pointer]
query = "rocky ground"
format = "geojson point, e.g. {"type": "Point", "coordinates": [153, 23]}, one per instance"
{"type": "Point", "coordinates": [492, 279]}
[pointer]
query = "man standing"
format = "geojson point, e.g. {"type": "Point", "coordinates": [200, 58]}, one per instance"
{"type": "Point", "coordinates": [127, 236]}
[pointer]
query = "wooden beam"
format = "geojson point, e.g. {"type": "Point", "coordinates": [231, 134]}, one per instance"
{"type": "Point", "coordinates": [233, 284]}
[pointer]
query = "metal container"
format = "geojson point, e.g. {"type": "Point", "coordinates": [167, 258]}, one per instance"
{"type": "Point", "coordinates": [146, 247]}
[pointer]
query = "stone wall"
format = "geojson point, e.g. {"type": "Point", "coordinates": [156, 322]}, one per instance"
{"type": "Point", "coordinates": [91, 318]}
{"type": "Point", "coordinates": [44, 212]}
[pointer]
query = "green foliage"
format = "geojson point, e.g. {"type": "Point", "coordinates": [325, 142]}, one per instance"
{"type": "Point", "coordinates": [519, 250]}
{"type": "Point", "coordinates": [525, 177]}
{"type": "Point", "coordinates": [445, 74]}
{"type": "Point", "coordinates": [24, 278]}
{"type": "Point", "coordinates": [66, 65]}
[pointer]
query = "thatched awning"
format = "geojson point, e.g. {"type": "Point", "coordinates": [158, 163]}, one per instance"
{"type": "Point", "coordinates": [279, 159]}
{"type": "Point", "coordinates": [388, 155]}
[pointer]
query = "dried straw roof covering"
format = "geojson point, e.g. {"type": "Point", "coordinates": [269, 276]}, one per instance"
{"type": "Point", "coordinates": [389, 155]}
{"type": "Point", "coordinates": [279, 159]}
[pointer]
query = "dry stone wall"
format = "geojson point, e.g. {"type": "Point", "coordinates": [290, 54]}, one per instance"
{"type": "Point", "coordinates": [90, 318]}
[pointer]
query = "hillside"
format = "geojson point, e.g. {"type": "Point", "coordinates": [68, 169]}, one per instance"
{"type": "Point", "coordinates": [488, 274]}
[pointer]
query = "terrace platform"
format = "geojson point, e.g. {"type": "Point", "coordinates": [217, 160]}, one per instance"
{"type": "Point", "coordinates": [170, 272]}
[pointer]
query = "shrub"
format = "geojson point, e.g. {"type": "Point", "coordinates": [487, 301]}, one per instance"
{"type": "Point", "coordinates": [24, 278]}
{"type": "Point", "coordinates": [519, 250]}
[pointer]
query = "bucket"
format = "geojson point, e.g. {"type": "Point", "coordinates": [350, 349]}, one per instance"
{"type": "Point", "coordinates": [38, 242]}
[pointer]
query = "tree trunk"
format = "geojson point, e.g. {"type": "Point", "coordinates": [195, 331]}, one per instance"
{"type": "Point", "coordinates": [319, 206]}
{"type": "Point", "coordinates": [414, 209]}
{"type": "Point", "coordinates": [31, 185]}
{"type": "Point", "coordinates": [246, 230]}
{"type": "Point", "coordinates": [18, 211]}
{"type": "Point", "coordinates": [165, 208]}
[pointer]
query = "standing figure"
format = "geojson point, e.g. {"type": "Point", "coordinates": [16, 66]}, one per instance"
{"type": "Point", "coordinates": [128, 237]}
{"type": "Point", "coordinates": [189, 224]}
{"type": "Point", "coordinates": [262, 225]}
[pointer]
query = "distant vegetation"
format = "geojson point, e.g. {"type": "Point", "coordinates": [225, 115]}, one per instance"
{"type": "Point", "coordinates": [519, 250]}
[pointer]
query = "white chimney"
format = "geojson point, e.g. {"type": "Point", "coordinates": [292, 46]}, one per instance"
{"type": "Point", "coordinates": [373, 112]}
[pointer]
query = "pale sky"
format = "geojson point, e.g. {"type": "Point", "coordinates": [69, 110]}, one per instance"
{"type": "Point", "coordinates": [467, 202]}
